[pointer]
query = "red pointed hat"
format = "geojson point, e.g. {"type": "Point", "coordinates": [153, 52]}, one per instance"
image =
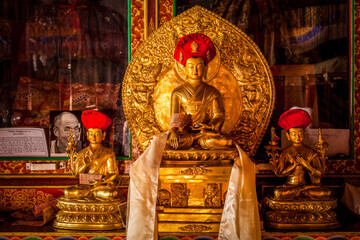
{"type": "Point", "coordinates": [194, 45]}
{"type": "Point", "coordinates": [294, 118]}
{"type": "Point", "coordinates": [95, 119]}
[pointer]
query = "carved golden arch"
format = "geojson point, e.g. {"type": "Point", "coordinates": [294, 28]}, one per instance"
{"type": "Point", "coordinates": [240, 73]}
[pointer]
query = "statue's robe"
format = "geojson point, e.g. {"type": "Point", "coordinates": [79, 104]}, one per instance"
{"type": "Point", "coordinates": [205, 104]}
{"type": "Point", "coordinates": [298, 175]}
{"type": "Point", "coordinates": [297, 185]}
{"type": "Point", "coordinates": [102, 161]}
{"type": "Point", "coordinates": [99, 161]}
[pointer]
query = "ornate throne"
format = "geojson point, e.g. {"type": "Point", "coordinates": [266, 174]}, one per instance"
{"type": "Point", "coordinates": [193, 183]}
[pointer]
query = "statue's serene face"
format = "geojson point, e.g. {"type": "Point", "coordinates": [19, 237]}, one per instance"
{"type": "Point", "coordinates": [296, 135]}
{"type": "Point", "coordinates": [195, 68]}
{"type": "Point", "coordinates": [95, 135]}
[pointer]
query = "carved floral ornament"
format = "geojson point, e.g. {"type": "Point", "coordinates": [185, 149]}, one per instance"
{"type": "Point", "coordinates": [239, 71]}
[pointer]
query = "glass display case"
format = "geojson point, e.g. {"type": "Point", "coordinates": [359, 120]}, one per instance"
{"type": "Point", "coordinates": [63, 56]}
{"type": "Point", "coordinates": [307, 46]}
{"type": "Point", "coordinates": [71, 55]}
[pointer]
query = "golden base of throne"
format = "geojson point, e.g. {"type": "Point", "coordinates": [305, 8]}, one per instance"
{"type": "Point", "coordinates": [301, 214]}
{"type": "Point", "coordinates": [192, 190]}
{"type": "Point", "coordinates": [88, 214]}
{"type": "Point", "coordinates": [189, 220]}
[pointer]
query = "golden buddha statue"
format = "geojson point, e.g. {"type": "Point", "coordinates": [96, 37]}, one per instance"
{"type": "Point", "coordinates": [186, 116]}
{"type": "Point", "coordinates": [197, 108]}
{"type": "Point", "coordinates": [98, 164]}
{"type": "Point", "coordinates": [298, 163]}
{"type": "Point", "coordinates": [297, 160]}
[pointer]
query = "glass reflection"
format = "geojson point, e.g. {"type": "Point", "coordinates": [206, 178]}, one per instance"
{"type": "Point", "coordinates": [306, 44]}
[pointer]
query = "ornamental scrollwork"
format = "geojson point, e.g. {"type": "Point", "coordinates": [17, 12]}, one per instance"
{"type": "Point", "coordinates": [72, 217]}
{"type": "Point", "coordinates": [301, 218]}
{"type": "Point", "coordinates": [179, 195]}
{"type": "Point", "coordinates": [195, 228]}
{"type": "Point", "coordinates": [195, 171]}
{"type": "Point", "coordinates": [212, 195]}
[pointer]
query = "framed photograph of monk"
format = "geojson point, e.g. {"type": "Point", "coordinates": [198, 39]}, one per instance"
{"type": "Point", "coordinates": [61, 124]}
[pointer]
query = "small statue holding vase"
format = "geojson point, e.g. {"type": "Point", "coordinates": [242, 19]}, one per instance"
{"type": "Point", "coordinates": [92, 204]}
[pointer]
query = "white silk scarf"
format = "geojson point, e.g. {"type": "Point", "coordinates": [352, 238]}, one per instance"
{"type": "Point", "coordinates": [240, 217]}
{"type": "Point", "coordinates": [142, 192]}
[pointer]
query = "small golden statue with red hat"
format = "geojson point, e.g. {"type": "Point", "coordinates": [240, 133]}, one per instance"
{"type": "Point", "coordinates": [95, 159]}
{"type": "Point", "coordinates": [299, 203]}
{"type": "Point", "coordinates": [197, 108]}
{"type": "Point", "coordinates": [92, 204]}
